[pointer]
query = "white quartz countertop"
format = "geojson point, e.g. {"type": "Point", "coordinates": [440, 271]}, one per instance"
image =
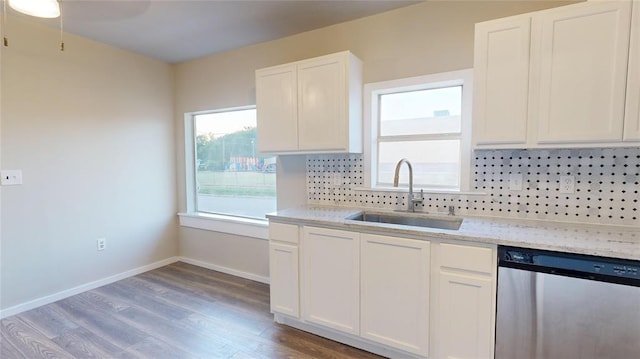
{"type": "Point", "coordinates": [599, 240]}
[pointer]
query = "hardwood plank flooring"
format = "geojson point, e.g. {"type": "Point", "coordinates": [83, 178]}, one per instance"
{"type": "Point", "coordinates": [177, 311]}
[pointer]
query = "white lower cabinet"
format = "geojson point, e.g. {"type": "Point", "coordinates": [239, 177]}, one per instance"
{"type": "Point", "coordinates": [398, 297]}
{"type": "Point", "coordinates": [464, 323]}
{"type": "Point", "coordinates": [283, 269]}
{"type": "Point", "coordinates": [465, 327]}
{"type": "Point", "coordinates": [394, 282]}
{"type": "Point", "coordinates": [330, 278]}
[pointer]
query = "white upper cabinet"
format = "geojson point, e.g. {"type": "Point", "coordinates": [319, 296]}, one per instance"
{"type": "Point", "coordinates": [579, 56]}
{"type": "Point", "coordinates": [632, 112]}
{"type": "Point", "coordinates": [322, 105]}
{"type": "Point", "coordinates": [556, 77]}
{"type": "Point", "coordinates": [277, 101]}
{"type": "Point", "coordinates": [501, 62]}
{"type": "Point", "coordinates": [311, 106]}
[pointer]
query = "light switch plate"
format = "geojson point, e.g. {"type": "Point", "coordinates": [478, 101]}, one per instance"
{"type": "Point", "coordinates": [11, 177]}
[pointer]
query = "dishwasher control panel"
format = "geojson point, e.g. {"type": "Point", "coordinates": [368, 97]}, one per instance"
{"type": "Point", "coordinates": [626, 270]}
{"type": "Point", "coordinates": [569, 264]}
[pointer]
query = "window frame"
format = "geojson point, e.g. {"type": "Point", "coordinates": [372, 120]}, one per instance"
{"type": "Point", "coordinates": [218, 222]}
{"type": "Point", "coordinates": [372, 93]}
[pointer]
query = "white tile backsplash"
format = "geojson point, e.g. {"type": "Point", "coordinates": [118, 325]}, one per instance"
{"type": "Point", "coordinates": [606, 185]}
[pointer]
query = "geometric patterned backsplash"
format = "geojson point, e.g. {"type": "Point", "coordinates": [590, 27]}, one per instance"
{"type": "Point", "coordinates": [607, 185]}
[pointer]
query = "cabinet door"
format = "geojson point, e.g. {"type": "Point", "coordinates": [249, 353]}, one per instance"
{"type": "Point", "coordinates": [395, 292]}
{"type": "Point", "coordinates": [330, 268]}
{"type": "Point", "coordinates": [632, 112]}
{"type": "Point", "coordinates": [276, 105]}
{"type": "Point", "coordinates": [501, 71]}
{"type": "Point", "coordinates": [322, 103]}
{"type": "Point", "coordinates": [283, 273]}
{"type": "Point", "coordinates": [465, 309]}
{"type": "Point", "coordinates": [580, 54]}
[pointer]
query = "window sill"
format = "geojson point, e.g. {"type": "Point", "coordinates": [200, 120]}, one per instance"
{"type": "Point", "coordinates": [247, 227]}
{"type": "Point", "coordinates": [417, 190]}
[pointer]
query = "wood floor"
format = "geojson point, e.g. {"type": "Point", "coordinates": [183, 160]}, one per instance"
{"type": "Point", "coordinates": [177, 311]}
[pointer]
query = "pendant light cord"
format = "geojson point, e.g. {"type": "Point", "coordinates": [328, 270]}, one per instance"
{"type": "Point", "coordinates": [61, 27]}
{"type": "Point", "coordinates": [5, 42]}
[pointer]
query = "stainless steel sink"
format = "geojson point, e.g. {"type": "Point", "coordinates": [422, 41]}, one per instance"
{"type": "Point", "coordinates": [452, 223]}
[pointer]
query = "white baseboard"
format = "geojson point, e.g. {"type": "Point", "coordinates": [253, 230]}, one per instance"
{"type": "Point", "coordinates": [226, 270]}
{"type": "Point", "coordinates": [16, 309]}
{"type": "Point", "coordinates": [23, 307]}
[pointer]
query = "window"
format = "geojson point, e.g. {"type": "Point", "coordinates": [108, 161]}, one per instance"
{"type": "Point", "coordinates": [231, 178]}
{"type": "Point", "coordinates": [426, 120]}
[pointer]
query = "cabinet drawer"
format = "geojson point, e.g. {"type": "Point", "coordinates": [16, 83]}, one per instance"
{"type": "Point", "coordinates": [283, 232]}
{"type": "Point", "coordinates": [476, 259]}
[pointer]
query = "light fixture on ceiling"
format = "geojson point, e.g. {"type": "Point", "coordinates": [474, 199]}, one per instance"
{"type": "Point", "coordinates": [38, 8]}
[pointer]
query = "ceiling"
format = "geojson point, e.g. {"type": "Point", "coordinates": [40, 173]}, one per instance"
{"type": "Point", "coordinates": [180, 30]}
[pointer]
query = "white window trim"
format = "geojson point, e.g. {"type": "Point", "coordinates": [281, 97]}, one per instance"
{"type": "Point", "coordinates": [372, 91]}
{"type": "Point", "coordinates": [248, 227]}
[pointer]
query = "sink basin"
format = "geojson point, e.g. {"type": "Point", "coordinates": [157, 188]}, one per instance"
{"type": "Point", "coordinates": [409, 220]}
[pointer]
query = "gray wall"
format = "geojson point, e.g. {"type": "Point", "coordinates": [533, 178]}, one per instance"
{"type": "Point", "coordinates": [92, 130]}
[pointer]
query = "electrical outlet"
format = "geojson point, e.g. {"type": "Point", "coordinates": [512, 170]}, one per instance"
{"type": "Point", "coordinates": [515, 181]}
{"type": "Point", "coordinates": [101, 243]}
{"type": "Point", "coordinates": [11, 177]}
{"type": "Point", "coordinates": [337, 179]}
{"type": "Point", "coordinates": [567, 184]}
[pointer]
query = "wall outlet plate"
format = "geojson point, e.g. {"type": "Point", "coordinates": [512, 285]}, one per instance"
{"type": "Point", "coordinates": [11, 177]}
{"type": "Point", "coordinates": [101, 244]}
{"type": "Point", "coordinates": [337, 179]}
{"type": "Point", "coordinates": [567, 184]}
{"type": "Point", "coordinates": [515, 181]}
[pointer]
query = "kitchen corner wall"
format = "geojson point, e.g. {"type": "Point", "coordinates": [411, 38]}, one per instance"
{"type": "Point", "coordinates": [92, 130]}
{"type": "Point", "coordinates": [607, 184]}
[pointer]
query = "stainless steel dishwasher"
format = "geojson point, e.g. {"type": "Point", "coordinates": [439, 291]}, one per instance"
{"type": "Point", "coordinates": [554, 305]}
